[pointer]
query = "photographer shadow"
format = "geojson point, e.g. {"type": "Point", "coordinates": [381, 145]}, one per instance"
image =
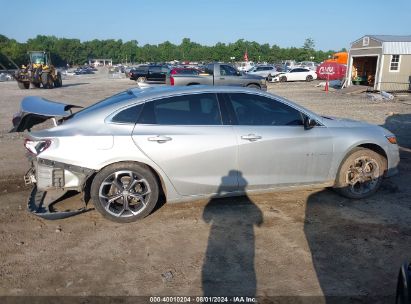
{"type": "Point", "coordinates": [228, 268]}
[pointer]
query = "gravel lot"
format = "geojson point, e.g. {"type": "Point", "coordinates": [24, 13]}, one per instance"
{"type": "Point", "coordinates": [296, 243]}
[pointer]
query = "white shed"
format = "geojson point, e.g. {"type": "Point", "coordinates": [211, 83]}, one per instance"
{"type": "Point", "coordinates": [382, 62]}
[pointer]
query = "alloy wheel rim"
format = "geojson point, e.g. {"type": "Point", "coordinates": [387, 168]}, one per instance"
{"type": "Point", "coordinates": [363, 175]}
{"type": "Point", "coordinates": [124, 193]}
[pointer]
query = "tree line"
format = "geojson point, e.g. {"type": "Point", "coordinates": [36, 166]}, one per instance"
{"type": "Point", "coordinates": [74, 52]}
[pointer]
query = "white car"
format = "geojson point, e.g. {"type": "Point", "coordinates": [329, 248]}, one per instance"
{"type": "Point", "coordinates": [296, 74]}
{"type": "Point", "coordinates": [264, 71]}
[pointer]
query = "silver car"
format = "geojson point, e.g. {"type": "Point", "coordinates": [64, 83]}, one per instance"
{"type": "Point", "coordinates": [193, 142]}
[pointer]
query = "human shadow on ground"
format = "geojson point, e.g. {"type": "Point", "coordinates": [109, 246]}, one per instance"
{"type": "Point", "coordinates": [228, 268]}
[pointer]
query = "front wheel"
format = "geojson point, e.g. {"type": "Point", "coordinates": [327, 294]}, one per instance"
{"type": "Point", "coordinates": [58, 82]}
{"type": "Point", "coordinates": [23, 85]}
{"type": "Point", "coordinates": [360, 174]}
{"type": "Point", "coordinates": [141, 79]}
{"type": "Point", "coordinates": [47, 81]}
{"type": "Point", "coordinates": [309, 78]}
{"type": "Point", "coordinates": [283, 79]}
{"type": "Point", "coordinates": [124, 192]}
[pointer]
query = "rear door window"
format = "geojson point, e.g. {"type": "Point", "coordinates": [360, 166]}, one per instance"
{"type": "Point", "coordinates": [196, 109]}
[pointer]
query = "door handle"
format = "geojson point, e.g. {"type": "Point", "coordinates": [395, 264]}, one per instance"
{"type": "Point", "coordinates": [251, 137]}
{"type": "Point", "coordinates": [160, 138]}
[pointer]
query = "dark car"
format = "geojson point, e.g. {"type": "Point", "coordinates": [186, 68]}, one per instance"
{"type": "Point", "coordinates": [145, 73]}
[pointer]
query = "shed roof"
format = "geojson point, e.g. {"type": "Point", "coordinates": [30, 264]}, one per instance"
{"type": "Point", "coordinates": [390, 38]}
{"type": "Point", "coordinates": [390, 44]}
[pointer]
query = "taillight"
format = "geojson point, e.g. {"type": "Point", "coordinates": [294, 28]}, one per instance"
{"type": "Point", "coordinates": [35, 147]}
{"type": "Point", "coordinates": [173, 72]}
{"type": "Point", "coordinates": [171, 80]}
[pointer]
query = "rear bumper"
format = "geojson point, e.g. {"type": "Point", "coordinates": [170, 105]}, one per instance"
{"type": "Point", "coordinates": [48, 175]}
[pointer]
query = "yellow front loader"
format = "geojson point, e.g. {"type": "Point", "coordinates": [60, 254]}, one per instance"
{"type": "Point", "coordinates": [39, 72]}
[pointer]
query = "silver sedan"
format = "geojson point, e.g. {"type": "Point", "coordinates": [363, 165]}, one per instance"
{"type": "Point", "coordinates": [194, 142]}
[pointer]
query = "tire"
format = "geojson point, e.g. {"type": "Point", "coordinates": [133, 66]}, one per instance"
{"type": "Point", "coordinates": [58, 82]}
{"type": "Point", "coordinates": [254, 86]}
{"type": "Point", "coordinates": [283, 79]}
{"type": "Point", "coordinates": [113, 182]}
{"type": "Point", "coordinates": [360, 174]}
{"type": "Point", "coordinates": [47, 81]}
{"type": "Point", "coordinates": [309, 78]}
{"type": "Point", "coordinates": [23, 85]}
{"type": "Point", "coordinates": [141, 79]}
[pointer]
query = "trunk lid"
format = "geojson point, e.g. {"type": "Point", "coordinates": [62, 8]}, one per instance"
{"type": "Point", "coordinates": [35, 110]}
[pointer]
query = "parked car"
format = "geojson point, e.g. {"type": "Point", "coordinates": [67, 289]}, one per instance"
{"type": "Point", "coordinates": [84, 70]}
{"type": "Point", "coordinates": [311, 65]}
{"type": "Point", "coordinates": [145, 73]}
{"type": "Point", "coordinates": [193, 142]}
{"type": "Point", "coordinates": [264, 71]}
{"type": "Point", "coordinates": [5, 77]}
{"type": "Point", "coordinates": [219, 74]}
{"type": "Point", "coordinates": [296, 74]}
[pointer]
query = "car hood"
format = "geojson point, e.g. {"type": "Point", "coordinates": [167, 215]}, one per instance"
{"type": "Point", "coordinates": [345, 122]}
{"type": "Point", "coordinates": [35, 110]}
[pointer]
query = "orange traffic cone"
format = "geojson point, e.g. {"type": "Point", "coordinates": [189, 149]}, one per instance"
{"type": "Point", "coordinates": [326, 84]}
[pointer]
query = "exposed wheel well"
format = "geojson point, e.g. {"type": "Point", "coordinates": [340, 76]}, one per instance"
{"type": "Point", "coordinates": [253, 85]}
{"type": "Point", "coordinates": [88, 181]}
{"type": "Point", "coordinates": [375, 148]}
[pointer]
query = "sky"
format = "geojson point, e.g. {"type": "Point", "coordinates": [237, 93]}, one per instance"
{"type": "Point", "coordinates": [332, 24]}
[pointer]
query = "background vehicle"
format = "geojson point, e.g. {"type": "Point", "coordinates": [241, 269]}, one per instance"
{"type": "Point", "coordinates": [145, 73]}
{"type": "Point", "coordinates": [340, 57]}
{"type": "Point", "coordinates": [245, 66]}
{"type": "Point", "coordinates": [219, 74]}
{"type": "Point", "coordinates": [39, 71]}
{"type": "Point", "coordinates": [403, 294]}
{"type": "Point", "coordinates": [311, 65]}
{"type": "Point", "coordinates": [263, 71]}
{"type": "Point", "coordinates": [296, 74]}
{"type": "Point", "coordinates": [192, 142]}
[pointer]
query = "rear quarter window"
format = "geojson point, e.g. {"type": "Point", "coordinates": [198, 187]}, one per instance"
{"type": "Point", "coordinates": [128, 115]}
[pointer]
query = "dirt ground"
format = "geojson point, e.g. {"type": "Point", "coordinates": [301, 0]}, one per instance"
{"type": "Point", "coordinates": [297, 243]}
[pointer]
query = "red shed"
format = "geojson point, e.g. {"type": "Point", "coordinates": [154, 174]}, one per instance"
{"type": "Point", "coordinates": [334, 70]}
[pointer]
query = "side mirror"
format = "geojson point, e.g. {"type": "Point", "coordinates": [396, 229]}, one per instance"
{"type": "Point", "coordinates": [239, 73]}
{"type": "Point", "coordinates": [309, 123]}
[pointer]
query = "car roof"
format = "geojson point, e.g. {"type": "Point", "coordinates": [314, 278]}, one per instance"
{"type": "Point", "coordinates": [165, 91]}
{"type": "Point", "coordinates": [168, 91]}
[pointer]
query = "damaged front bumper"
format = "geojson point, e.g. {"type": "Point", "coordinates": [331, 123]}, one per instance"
{"type": "Point", "coordinates": [51, 181]}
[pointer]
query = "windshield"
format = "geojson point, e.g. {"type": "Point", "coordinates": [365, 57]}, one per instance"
{"type": "Point", "coordinates": [37, 57]}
